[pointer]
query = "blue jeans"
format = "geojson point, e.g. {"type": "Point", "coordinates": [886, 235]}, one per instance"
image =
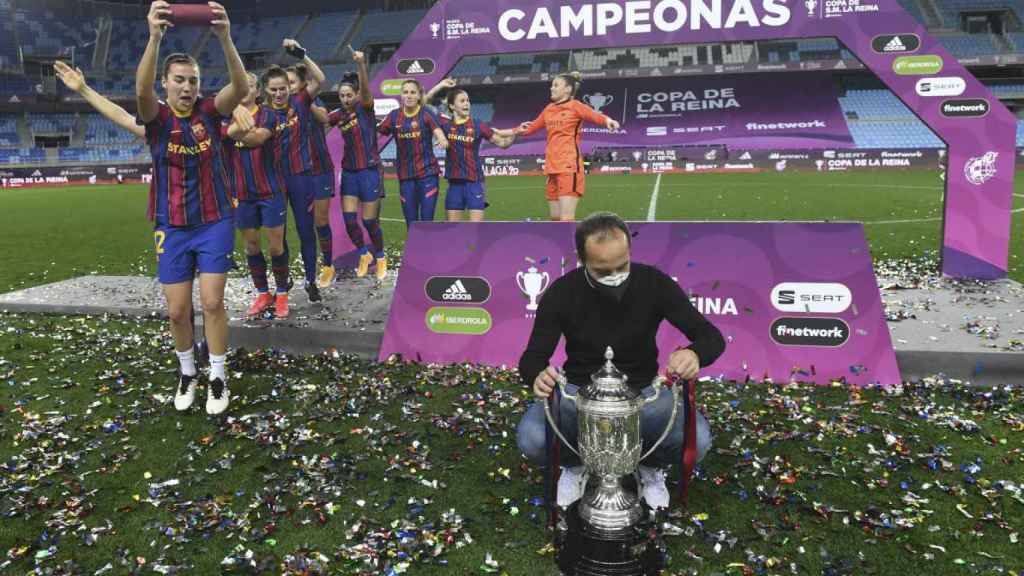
{"type": "Point", "coordinates": [653, 419]}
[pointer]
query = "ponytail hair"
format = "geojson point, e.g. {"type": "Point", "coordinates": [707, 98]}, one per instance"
{"type": "Point", "coordinates": [574, 79]}
{"type": "Point", "coordinates": [350, 79]}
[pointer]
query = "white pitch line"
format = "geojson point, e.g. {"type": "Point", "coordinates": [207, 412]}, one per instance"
{"type": "Point", "coordinates": [652, 210]}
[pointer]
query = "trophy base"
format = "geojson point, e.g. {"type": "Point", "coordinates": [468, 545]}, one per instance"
{"type": "Point", "coordinates": [635, 551]}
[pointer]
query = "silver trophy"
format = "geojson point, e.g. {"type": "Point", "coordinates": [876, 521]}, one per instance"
{"type": "Point", "coordinates": [610, 444]}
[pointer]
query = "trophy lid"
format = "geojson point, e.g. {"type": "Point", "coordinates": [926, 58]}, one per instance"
{"type": "Point", "coordinates": [608, 382]}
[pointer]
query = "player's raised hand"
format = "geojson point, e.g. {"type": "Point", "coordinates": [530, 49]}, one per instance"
{"type": "Point", "coordinates": [449, 83]}
{"type": "Point", "coordinates": [358, 56]}
{"type": "Point", "coordinates": [157, 18]}
{"type": "Point", "coordinates": [242, 118]}
{"type": "Point", "coordinates": [220, 23]}
{"type": "Point", "coordinates": [522, 128]}
{"type": "Point", "coordinates": [71, 77]}
{"type": "Point", "coordinates": [612, 124]}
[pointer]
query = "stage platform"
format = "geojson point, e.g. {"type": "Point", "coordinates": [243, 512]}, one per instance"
{"type": "Point", "coordinates": [967, 330]}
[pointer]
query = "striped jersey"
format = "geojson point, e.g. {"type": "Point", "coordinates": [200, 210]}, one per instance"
{"type": "Point", "coordinates": [462, 159]}
{"type": "Point", "coordinates": [359, 131]}
{"type": "Point", "coordinates": [254, 172]}
{"type": "Point", "coordinates": [190, 184]}
{"type": "Point", "coordinates": [414, 137]}
{"type": "Point", "coordinates": [295, 145]}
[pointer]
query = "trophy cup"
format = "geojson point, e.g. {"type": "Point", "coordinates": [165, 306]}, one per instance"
{"type": "Point", "coordinates": [603, 533]}
{"type": "Point", "coordinates": [811, 5]}
{"type": "Point", "coordinates": [533, 284]}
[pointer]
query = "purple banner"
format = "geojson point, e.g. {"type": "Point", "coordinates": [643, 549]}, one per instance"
{"type": "Point", "coordinates": [978, 129]}
{"type": "Point", "coordinates": [792, 300]}
{"type": "Point", "coordinates": [732, 110]}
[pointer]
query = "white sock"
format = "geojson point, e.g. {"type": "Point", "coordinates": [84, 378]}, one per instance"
{"type": "Point", "coordinates": [217, 367]}
{"type": "Point", "coordinates": [187, 360]}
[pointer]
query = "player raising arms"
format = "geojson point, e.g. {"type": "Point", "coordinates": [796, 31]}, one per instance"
{"type": "Point", "coordinates": [260, 189]}
{"type": "Point", "coordinates": [324, 181]}
{"type": "Point", "coordinates": [463, 167]}
{"type": "Point", "coordinates": [75, 81]}
{"type": "Point", "coordinates": [563, 160]}
{"type": "Point", "coordinates": [300, 164]}
{"type": "Point", "coordinates": [416, 130]}
{"type": "Point", "coordinates": [360, 176]}
{"type": "Point", "coordinates": [192, 210]}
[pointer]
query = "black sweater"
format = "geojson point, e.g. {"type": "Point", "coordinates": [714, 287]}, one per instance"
{"type": "Point", "coordinates": [592, 320]}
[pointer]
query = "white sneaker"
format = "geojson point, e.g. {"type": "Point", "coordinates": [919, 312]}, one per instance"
{"type": "Point", "coordinates": [571, 484]}
{"type": "Point", "coordinates": [185, 393]}
{"type": "Point", "coordinates": [217, 397]}
{"type": "Point", "coordinates": [652, 482]}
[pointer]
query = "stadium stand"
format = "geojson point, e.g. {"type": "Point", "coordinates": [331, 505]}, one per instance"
{"type": "Point", "coordinates": [385, 27]}
{"type": "Point", "coordinates": [51, 33]}
{"type": "Point", "coordinates": [323, 35]}
{"type": "Point", "coordinates": [9, 131]}
{"type": "Point", "coordinates": [969, 45]}
{"type": "Point", "coordinates": [8, 40]}
{"type": "Point", "coordinates": [950, 10]}
{"type": "Point", "coordinates": [876, 118]}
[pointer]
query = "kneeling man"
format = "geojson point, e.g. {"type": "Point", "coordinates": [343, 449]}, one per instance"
{"type": "Point", "coordinates": [611, 301]}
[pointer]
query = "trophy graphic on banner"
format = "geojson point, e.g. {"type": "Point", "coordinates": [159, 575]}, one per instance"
{"type": "Point", "coordinates": [533, 284]}
{"type": "Point", "coordinates": [811, 5]}
{"type": "Point", "coordinates": [435, 28]}
{"type": "Point", "coordinates": [597, 100]}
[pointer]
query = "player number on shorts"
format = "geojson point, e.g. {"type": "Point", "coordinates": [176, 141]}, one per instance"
{"type": "Point", "coordinates": [159, 236]}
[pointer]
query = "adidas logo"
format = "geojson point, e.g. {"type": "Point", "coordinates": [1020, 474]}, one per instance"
{"type": "Point", "coordinates": [745, 156]}
{"type": "Point", "coordinates": [895, 45]}
{"type": "Point", "coordinates": [457, 291]}
{"type": "Point", "coordinates": [415, 68]}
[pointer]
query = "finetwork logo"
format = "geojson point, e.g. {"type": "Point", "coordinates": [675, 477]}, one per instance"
{"type": "Point", "coordinates": [981, 169]}
{"type": "Point", "coordinates": [968, 108]}
{"type": "Point", "coordinates": [464, 290]}
{"type": "Point", "coordinates": [757, 126]}
{"type": "Point", "coordinates": [818, 332]}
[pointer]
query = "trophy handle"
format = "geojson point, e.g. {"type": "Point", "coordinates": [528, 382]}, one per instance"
{"type": "Point", "coordinates": [551, 420]}
{"type": "Point", "coordinates": [671, 419]}
{"type": "Point", "coordinates": [611, 98]}
{"type": "Point", "coordinates": [547, 280]}
{"type": "Point", "coordinates": [519, 281]}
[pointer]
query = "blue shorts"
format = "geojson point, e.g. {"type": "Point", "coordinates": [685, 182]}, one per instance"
{"type": "Point", "coordinates": [324, 185]}
{"type": "Point", "coordinates": [419, 187]}
{"type": "Point", "coordinates": [362, 184]}
{"type": "Point", "coordinates": [465, 195]}
{"type": "Point", "coordinates": [181, 250]}
{"type": "Point", "coordinates": [266, 213]}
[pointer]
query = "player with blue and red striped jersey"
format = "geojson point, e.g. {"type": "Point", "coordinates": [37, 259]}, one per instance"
{"type": "Point", "coordinates": [361, 186]}
{"type": "Point", "coordinates": [325, 180]}
{"type": "Point", "coordinates": [463, 167]}
{"type": "Point", "coordinates": [302, 166]}
{"type": "Point", "coordinates": [259, 188]}
{"type": "Point", "coordinates": [192, 208]}
{"type": "Point", "coordinates": [416, 130]}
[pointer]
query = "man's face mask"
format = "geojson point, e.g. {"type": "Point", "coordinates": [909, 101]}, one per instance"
{"type": "Point", "coordinates": [613, 285]}
{"type": "Point", "coordinates": [614, 280]}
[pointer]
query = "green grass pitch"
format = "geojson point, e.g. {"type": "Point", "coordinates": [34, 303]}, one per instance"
{"type": "Point", "coordinates": [328, 459]}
